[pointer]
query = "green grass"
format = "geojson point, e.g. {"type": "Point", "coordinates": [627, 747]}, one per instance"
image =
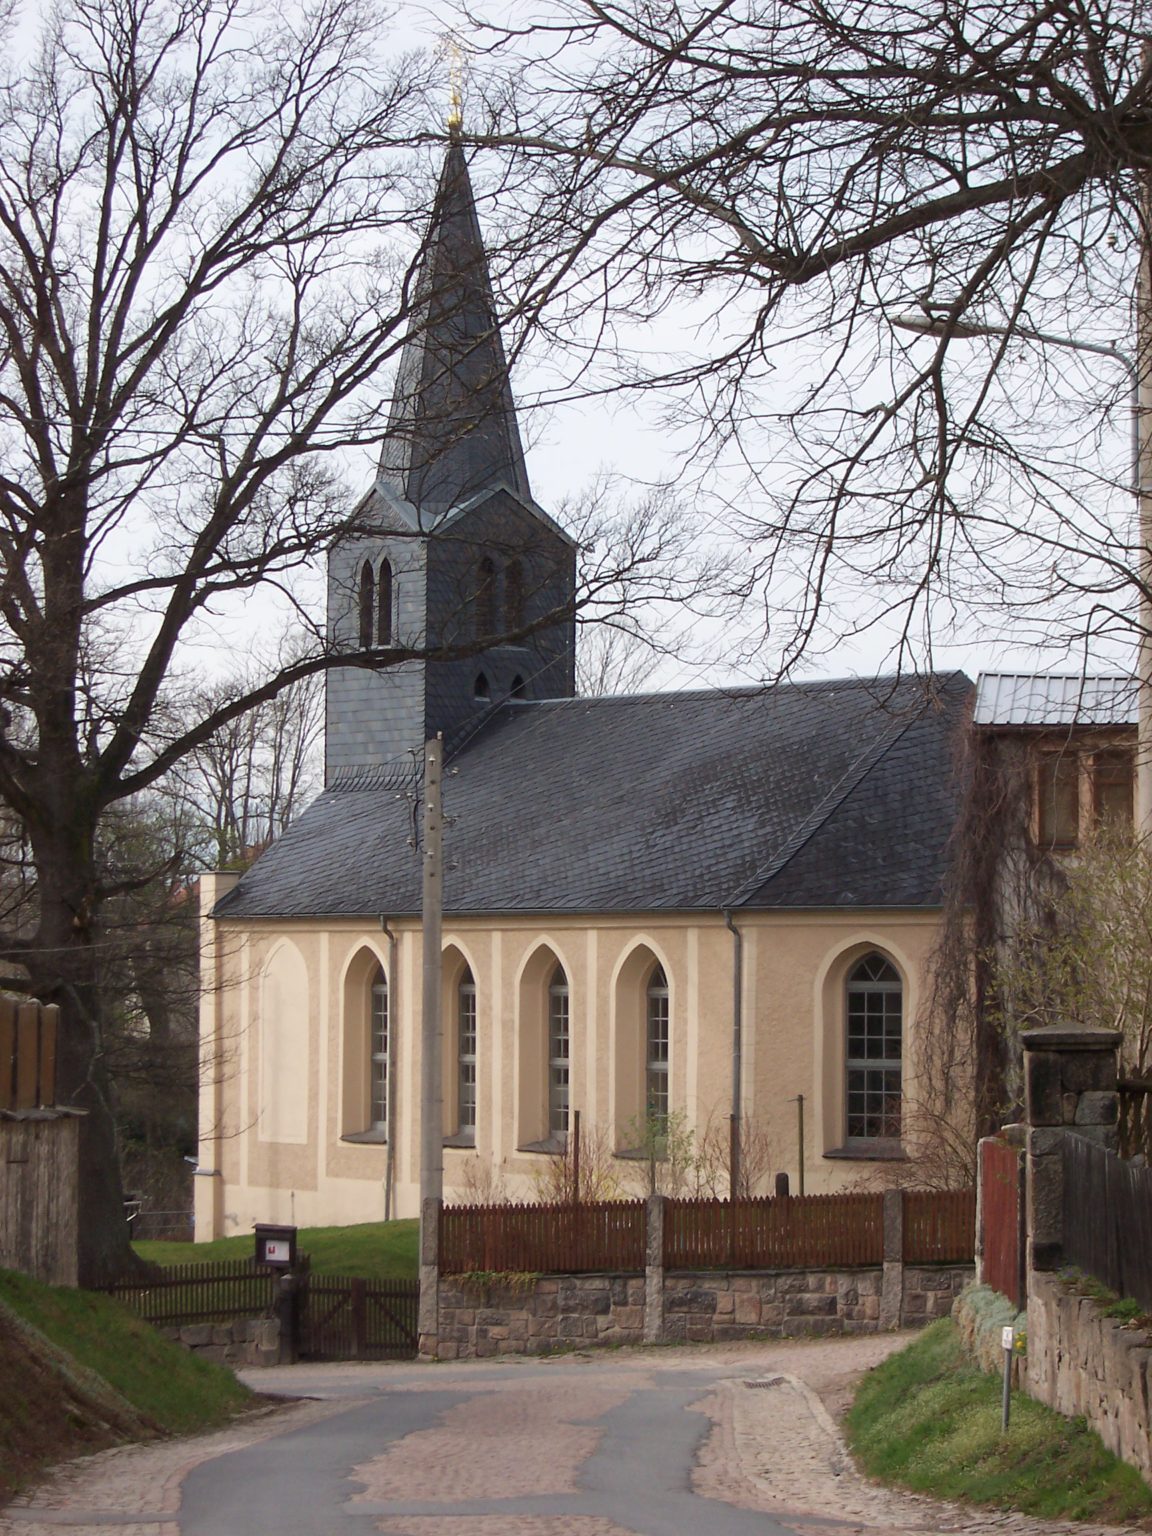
{"type": "Point", "coordinates": [170, 1387]}
{"type": "Point", "coordinates": [929, 1419]}
{"type": "Point", "coordinates": [378, 1250]}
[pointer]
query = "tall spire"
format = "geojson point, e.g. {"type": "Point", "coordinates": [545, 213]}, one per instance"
{"type": "Point", "coordinates": [452, 430]}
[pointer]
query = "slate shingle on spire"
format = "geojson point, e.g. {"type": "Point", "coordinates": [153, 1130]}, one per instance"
{"type": "Point", "coordinates": [452, 429]}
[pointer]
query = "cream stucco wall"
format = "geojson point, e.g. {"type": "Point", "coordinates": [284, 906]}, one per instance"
{"type": "Point", "coordinates": [284, 1032]}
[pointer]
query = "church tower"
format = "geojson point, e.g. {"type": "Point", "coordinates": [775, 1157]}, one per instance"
{"type": "Point", "coordinates": [451, 550]}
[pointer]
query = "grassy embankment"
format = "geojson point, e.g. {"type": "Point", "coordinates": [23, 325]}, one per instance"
{"type": "Point", "coordinates": [378, 1250]}
{"type": "Point", "coordinates": [928, 1419]}
{"type": "Point", "coordinates": [83, 1374]}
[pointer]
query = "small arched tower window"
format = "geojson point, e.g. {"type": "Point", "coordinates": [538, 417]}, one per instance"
{"type": "Point", "coordinates": [485, 599]}
{"type": "Point", "coordinates": [517, 689]}
{"type": "Point", "coordinates": [875, 1049]}
{"type": "Point", "coordinates": [480, 688]}
{"type": "Point", "coordinates": [384, 604]}
{"type": "Point", "coordinates": [514, 596]}
{"type": "Point", "coordinates": [367, 604]}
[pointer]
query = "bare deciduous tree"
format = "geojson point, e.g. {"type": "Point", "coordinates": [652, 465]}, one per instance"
{"type": "Point", "coordinates": [795, 176]}
{"type": "Point", "coordinates": [198, 290]}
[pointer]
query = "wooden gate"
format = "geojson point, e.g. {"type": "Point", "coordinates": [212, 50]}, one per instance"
{"type": "Point", "coordinates": [346, 1319]}
{"type": "Point", "coordinates": [1002, 1218]}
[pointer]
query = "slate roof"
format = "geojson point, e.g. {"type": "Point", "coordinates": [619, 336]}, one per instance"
{"type": "Point", "coordinates": [1054, 699]}
{"type": "Point", "coordinates": [823, 794]}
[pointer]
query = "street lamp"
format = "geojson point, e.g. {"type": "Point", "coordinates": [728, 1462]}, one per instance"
{"type": "Point", "coordinates": [940, 326]}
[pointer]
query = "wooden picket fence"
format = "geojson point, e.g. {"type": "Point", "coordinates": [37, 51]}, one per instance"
{"type": "Point", "coordinates": [813, 1231]}
{"type": "Point", "coordinates": [939, 1226]}
{"type": "Point", "coordinates": [526, 1239]}
{"type": "Point", "coordinates": [817, 1231]}
{"type": "Point", "coordinates": [200, 1293]}
{"type": "Point", "coordinates": [28, 1035]}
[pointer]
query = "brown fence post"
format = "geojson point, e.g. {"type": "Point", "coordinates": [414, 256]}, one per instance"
{"type": "Point", "coordinates": [1069, 1084]}
{"type": "Point", "coordinates": [654, 1269]}
{"type": "Point", "coordinates": [892, 1284]}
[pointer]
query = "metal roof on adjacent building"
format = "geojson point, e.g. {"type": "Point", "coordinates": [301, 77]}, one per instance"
{"type": "Point", "coordinates": [1054, 699]}
{"type": "Point", "coordinates": [822, 794]}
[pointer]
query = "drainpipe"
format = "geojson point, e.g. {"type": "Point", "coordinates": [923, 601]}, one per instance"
{"type": "Point", "coordinates": [393, 1017]}
{"type": "Point", "coordinates": [737, 1051]}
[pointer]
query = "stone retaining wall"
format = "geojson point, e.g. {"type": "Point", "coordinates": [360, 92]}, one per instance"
{"type": "Point", "coordinates": [1081, 1362]}
{"type": "Point", "coordinates": [477, 1320]}
{"type": "Point", "coordinates": [246, 1341]}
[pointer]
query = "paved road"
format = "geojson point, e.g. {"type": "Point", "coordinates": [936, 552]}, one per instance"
{"type": "Point", "coordinates": [735, 1441]}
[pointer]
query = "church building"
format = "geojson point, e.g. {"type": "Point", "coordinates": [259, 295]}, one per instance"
{"type": "Point", "coordinates": [660, 910]}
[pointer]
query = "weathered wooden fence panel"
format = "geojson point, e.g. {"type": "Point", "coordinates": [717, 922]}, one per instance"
{"type": "Point", "coordinates": [541, 1239]}
{"type": "Point", "coordinates": [1108, 1218]}
{"type": "Point", "coordinates": [798, 1232]}
{"type": "Point", "coordinates": [1002, 1218]}
{"type": "Point", "coordinates": [939, 1226]}
{"type": "Point", "coordinates": [200, 1293]}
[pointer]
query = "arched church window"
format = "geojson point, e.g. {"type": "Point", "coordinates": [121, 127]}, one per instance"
{"type": "Point", "coordinates": [558, 1055]}
{"type": "Point", "coordinates": [517, 689]}
{"type": "Point", "coordinates": [514, 596]}
{"type": "Point", "coordinates": [480, 688]}
{"type": "Point", "coordinates": [656, 1046]}
{"type": "Point", "coordinates": [485, 599]}
{"type": "Point", "coordinates": [367, 604]}
{"type": "Point", "coordinates": [466, 1056]}
{"type": "Point", "coordinates": [378, 1054]}
{"type": "Point", "coordinates": [384, 604]}
{"type": "Point", "coordinates": [875, 1039]}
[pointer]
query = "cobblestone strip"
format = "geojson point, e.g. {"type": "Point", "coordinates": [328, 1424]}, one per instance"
{"type": "Point", "coordinates": [775, 1447]}
{"type": "Point", "coordinates": [505, 1525]}
{"type": "Point", "coordinates": [142, 1480]}
{"type": "Point", "coordinates": [499, 1444]}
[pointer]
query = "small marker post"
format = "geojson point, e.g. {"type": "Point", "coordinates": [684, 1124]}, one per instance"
{"type": "Point", "coordinates": [1007, 1343]}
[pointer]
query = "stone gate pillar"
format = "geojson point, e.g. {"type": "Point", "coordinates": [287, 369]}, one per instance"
{"type": "Point", "coordinates": [1069, 1085]}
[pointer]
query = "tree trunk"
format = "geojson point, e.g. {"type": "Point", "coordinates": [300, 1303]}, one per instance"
{"type": "Point", "coordinates": [65, 969]}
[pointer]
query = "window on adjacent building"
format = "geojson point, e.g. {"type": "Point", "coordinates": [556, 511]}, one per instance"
{"type": "Point", "coordinates": [875, 1030]}
{"type": "Point", "coordinates": [1058, 798]}
{"type": "Point", "coordinates": [378, 1054]}
{"type": "Point", "coordinates": [1113, 782]}
{"type": "Point", "coordinates": [384, 604]}
{"type": "Point", "coordinates": [656, 1046]}
{"type": "Point", "coordinates": [466, 1056]}
{"type": "Point", "coordinates": [1080, 792]}
{"type": "Point", "coordinates": [367, 604]}
{"type": "Point", "coordinates": [558, 1054]}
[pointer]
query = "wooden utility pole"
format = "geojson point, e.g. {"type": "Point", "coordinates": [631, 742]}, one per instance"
{"type": "Point", "coordinates": [431, 1088]}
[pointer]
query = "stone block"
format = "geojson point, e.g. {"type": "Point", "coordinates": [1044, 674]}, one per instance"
{"type": "Point", "coordinates": [748, 1310]}
{"type": "Point", "coordinates": [772, 1315]}
{"type": "Point", "coordinates": [636, 1292]}
{"type": "Point", "coordinates": [196, 1335]}
{"type": "Point", "coordinates": [618, 1290]}
{"type": "Point", "coordinates": [815, 1327]}
{"type": "Point", "coordinates": [1043, 1088]}
{"type": "Point", "coordinates": [448, 1351]}
{"type": "Point", "coordinates": [811, 1305]}
{"type": "Point", "coordinates": [547, 1287]}
{"type": "Point", "coordinates": [675, 1327]}
{"type": "Point", "coordinates": [489, 1318]}
{"type": "Point", "coordinates": [1070, 1101]}
{"type": "Point", "coordinates": [699, 1332]}
{"type": "Point", "coordinates": [1089, 1071]}
{"type": "Point", "coordinates": [691, 1299]}
{"type": "Point", "coordinates": [542, 1327]}
{"type": "Point", "coordinates": [629, 1317]}
{"type": "Point", "coordinates": [725, 1303]}
{"type": "Point", "coordinates": [465, 1317]}
{"type": "Point", "coordinates": [1097, 1109]}
{"type": "Point", "coordinates": [570, 1325]}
